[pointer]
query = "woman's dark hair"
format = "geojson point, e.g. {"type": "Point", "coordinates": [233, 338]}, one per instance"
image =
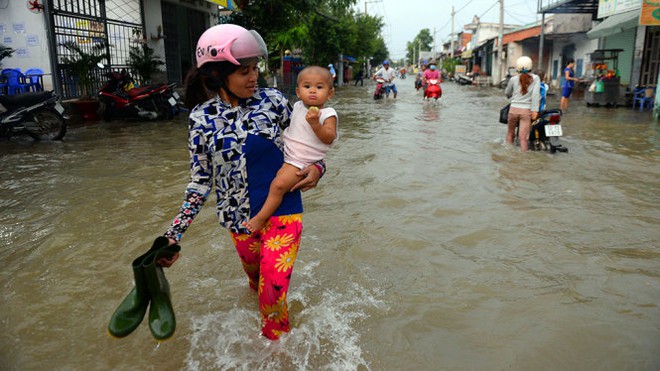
{"type": "Point", "coordinates": [570, 61]}
{"type": "Point", "coordinates": [525, 81]}
{"type": "Point", "coordinates": [203, 82]}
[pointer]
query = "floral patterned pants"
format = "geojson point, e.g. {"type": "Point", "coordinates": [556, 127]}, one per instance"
{"type": "Point", "coordinates": [268, 258]}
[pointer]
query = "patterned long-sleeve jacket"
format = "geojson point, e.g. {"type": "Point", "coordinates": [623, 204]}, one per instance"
{"type": "Point", "coordinates": [223, 141]}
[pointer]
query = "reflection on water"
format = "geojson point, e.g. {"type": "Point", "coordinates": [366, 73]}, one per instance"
{"type": "Point", "coordinates": [430, 111]}
{"type": "Point", "coordinates": [429, 245]}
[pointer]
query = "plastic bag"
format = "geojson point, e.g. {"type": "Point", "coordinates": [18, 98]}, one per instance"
{"type": "Point", "coordinates": [600, 86]}
{"type": "Point", "coordinates": [592, 87]}
{"type": "Point", "coordinates": [504, 114]}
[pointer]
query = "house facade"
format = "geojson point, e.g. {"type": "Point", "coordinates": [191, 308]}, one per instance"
{"type": "Point", "coordinates": [564, 38]}
{"type": "Point", "coordinates": [574, 29]}
{"type": "Point", "coordinates": [484, 47]}
{"type": "Point", "coordinates": [35, 31]}
{"type": "Point", "coordinates": [614, 26]}
{"type": "Point", "coordinates": [567, 38]}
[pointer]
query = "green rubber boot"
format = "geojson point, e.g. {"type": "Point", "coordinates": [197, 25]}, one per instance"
{"type": "Point", "coordinates": [162, 322]}
{"type": "Point", "coordinates": [128, 316]}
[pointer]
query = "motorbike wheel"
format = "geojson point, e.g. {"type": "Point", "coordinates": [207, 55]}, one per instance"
{"type": "Point", "coordinates": [503, 84]}
{"type": "Point", "coordinates": [46, 124]}
{"type": "Point", "coordinates": [107, 109]}
{"type": "Point", "coordinates": [165, 110]}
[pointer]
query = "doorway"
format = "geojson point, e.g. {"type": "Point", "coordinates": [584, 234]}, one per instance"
{"type": "Point", "coordinates": [184, 26]}
{"type": "Point", "coordinates": [650, 57]}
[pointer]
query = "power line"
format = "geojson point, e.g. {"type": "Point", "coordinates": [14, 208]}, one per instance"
{"type": "Point", "coordinates": [464, 6]}
{"type": "Point", "coordinates": [491, 7]}
{"type": "Point", "coordinates": [516, 19]}
{"type": "Point", "coordinates": [441, 28]}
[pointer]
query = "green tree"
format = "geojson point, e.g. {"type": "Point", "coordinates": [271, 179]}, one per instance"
{"type": "Point", "coordinates": [371, 42]}
{"type": "Point", "coordinates": [322, 29]}
{"type": "Point", "coordinates": [449, 64]}
{"type": "Point", "coordinates": [380, 52]}
{"type": "Point", "coordinates": [422, 41]}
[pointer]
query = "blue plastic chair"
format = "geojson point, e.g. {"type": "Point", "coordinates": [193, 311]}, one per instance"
{"type": "Point", "coordinates": [644, 96]}
{"type": "Point", "coordinates": [15, 81]}
{"type": "Point", "coordinates": [33, 78]}
{"type": "Point", "coordinates": [3, 85]}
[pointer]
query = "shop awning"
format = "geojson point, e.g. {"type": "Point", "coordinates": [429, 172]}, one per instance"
{"type": "Point", "coordinates": [615, 24]}
{"type": "Point", "coordinates": [228, 4]}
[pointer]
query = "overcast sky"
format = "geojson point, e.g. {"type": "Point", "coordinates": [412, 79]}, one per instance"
{"type": "Point", "coordinates": [405, 18]}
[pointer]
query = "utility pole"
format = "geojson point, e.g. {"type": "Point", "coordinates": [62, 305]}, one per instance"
{"type": "Point", "coordinates": [367, 2]}
{"type": "Point", "coordinates": [541, 42]}
{"type": "Point", "coordinates": [498, 75]}
{"type": "Point", "coordinates": [452, 33]}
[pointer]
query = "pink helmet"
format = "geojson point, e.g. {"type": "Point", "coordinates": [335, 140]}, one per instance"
{"type": "Point", "coordinates": [229, 42]}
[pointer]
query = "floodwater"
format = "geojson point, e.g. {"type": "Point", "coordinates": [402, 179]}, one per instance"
{"type": "Point", "coordinates": [429, 245]}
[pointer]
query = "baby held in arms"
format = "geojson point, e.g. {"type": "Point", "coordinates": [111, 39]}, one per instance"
{"type": "Point", "coordinates": [313, 129]}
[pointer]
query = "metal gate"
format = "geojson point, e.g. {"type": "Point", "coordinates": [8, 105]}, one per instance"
{"type": "Point", "coordinates": [119, 24]}
{"type": "Point", "coordinates": [651, 57]}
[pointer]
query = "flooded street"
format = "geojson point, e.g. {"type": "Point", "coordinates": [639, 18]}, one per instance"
{"type": "Point", "coordinates": [429, 245]}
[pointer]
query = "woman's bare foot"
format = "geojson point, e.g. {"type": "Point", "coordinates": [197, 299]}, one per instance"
{"type": "Point", "coordinates": [254, 225]}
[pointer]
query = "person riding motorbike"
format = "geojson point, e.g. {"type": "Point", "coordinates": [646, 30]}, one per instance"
{"type": "Point", "coordinates": [379, 92]}
{"type": "Point", "coordinates": [431, 73]}
{"type": "Point", "coordinates": [388, 74]}
{"type": "Point", "coordinates": [418, 76]}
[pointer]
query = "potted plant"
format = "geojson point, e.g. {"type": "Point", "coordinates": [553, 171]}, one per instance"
{"type": "Point", "coordinates": [5, 52]}
{"type": "Point", "coordinates": [80, 63]}
{"type": "Point", "coordinates": [143, 61]}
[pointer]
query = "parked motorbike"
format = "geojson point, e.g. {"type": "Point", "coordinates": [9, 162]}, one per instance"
{"type": "Point", "coordinates": [546, 130]}
{"type": "Point", "coordinates": [120, 99]}
{"type": "Point", "coordinates": [463, 80]}
{"type": "Point", "coordinates": [37, 114]}
{"type": "Point", "coordinates": [545, 133]}
{"type": "Point", "coordinates": [379, 93]}
{"type": "Point", "coordinates": [433, 90]}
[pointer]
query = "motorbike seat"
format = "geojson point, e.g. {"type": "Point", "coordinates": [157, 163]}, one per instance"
{"type": "Point", "coordinates": [550, 112]}
{"type": "Point", "coordinates": [24, 99]}
{"type": "Point", "coordinates": [143, 90]}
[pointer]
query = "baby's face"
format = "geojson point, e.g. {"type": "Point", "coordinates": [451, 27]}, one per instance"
{"type": "Point", "coordinates": [314, 89]}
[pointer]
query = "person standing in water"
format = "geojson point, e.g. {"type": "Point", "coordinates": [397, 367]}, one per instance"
{"type": "Point", "coordinates": [569, 84]}
{"type": "Point", "coordinates": [235, 144]}
{"type": "Point", "coordinates": [313, 129]}
{"type": "Point", "coordinates": [523, 91]}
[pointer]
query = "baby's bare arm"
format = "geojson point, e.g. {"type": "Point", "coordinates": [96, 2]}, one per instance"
{"type": "Point", "coordinates": [326, 132]}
